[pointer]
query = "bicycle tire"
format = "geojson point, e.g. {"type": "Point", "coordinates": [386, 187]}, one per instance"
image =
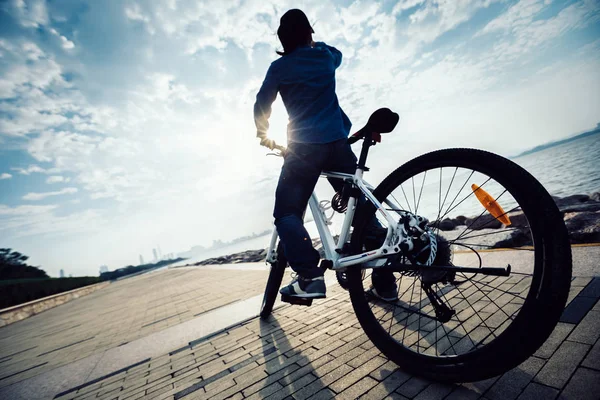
{"type": "Point", "coordinates": [273, 283]}
{"type": "Point", "coordinates": [541, 308]}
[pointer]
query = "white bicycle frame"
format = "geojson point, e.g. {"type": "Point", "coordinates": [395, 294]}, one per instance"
{"type": "Point", "coordinates": [332, 249]}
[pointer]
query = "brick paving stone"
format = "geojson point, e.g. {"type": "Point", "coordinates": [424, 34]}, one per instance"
{"type": "Point", "coordinates": [480, 387]}
{"type": "Point", "coordinates": [265, 391]}
{"type": "Point", "coordinates": [364, 357]}
{"type": "Point", "coordinates": [413, 387]}
{"type": "Point", "coordinates": [592, 360]}
{"type": "Point", "coordinates": [512, 383]}
{"type": "Point", "coordinates": [580, 281]}
{"type": "Point", "coordinates": [309, 390]}
{"type": "Point", "coordinates": [535, 391]}
{"type": "Point", "coordinates": [356, 390]}
{"type": "Point", "coordinates": [324, 394]}
{"type": "Point", "coordinates": [592, 289]}
{"type": "Point", "coordinates": [462, 393]}
{"type": "Point", "coordinates": [559, 368]}
{"type": "Point", "coordinates": [356, 374]}
{"type": "Point", "coordinates": [588, 330]}
{"type": "Point", "coordinates": [395, 396]}
{"type": "Point", "coordinates": [292, 387]}
{"type": "Point", "coordinates": [435, 391]}
{"type": "Point", "coordinates": [558, 335]}
{"type": "Point", "coordinates": [388, 385]}
{"type": "Point", "coordinates": [577, 309]}
{"type": "Point", "coordinates": [584, 385]}
{"type": "Point", "coordinates": [384, 371]}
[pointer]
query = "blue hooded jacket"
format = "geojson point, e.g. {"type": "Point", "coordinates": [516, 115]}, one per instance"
{"type": "Point", "coordinates": [305, 78]}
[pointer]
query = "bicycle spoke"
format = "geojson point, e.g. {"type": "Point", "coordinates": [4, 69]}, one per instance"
{"type": "Point", "coordinates": [480, 215]}
{"type": "Point", "coordinates": [464, 199]}
{"type": "Point", "coordinates": [420, 193]}
{"type": "Point", "coordinates": [497, 231]}
{"type": "Point", "coordinates": [406, 198]}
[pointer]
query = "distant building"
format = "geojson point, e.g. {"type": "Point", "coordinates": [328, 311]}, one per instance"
{"type": "Point", "coordinates": [141, 260]}
{"type": "Point", "coordinates": [103, 269]}
{"type": "Point", "coordinates": [155, 255]}
{"type": "Point", "coordinates": [61, 273]}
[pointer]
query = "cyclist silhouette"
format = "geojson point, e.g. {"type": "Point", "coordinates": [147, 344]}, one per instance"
{"type": "Point", "coordinates": [317, 135]}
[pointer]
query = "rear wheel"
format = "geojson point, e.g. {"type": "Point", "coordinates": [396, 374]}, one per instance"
{"type": "Point", "coordinates": [468, 326]}
{"type": "Point", "coordinates": [273, 283]}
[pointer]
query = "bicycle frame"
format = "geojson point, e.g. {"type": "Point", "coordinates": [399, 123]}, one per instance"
{"type": "Point", "coordinates": [333, 249]}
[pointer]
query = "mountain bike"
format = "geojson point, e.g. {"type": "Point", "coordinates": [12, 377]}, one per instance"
{"type": "Point", "coordinates": [477, 246]}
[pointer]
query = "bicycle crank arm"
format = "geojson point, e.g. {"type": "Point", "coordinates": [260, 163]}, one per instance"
{"type": "Point", "coordinates": [496, 271]}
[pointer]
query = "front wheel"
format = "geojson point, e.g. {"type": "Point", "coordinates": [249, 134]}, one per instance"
{"type": "Point", "coordinates": [273, 283]}
{"type": "Point", "coordinates": [486, 211]}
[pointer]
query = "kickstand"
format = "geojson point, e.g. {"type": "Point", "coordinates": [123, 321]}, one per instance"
{"type": "Point", "coordinates": [442, 312]}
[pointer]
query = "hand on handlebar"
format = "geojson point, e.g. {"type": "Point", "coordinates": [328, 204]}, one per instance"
{"type": "Point", "coordinates": [270, 143]}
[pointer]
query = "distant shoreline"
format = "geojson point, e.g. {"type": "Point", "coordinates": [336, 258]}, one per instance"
{"type": "Point", "coordinates": [558, 142]}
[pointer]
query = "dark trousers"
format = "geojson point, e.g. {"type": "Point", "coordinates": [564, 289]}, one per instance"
{"type": "Point", "coordinates": [301, 169]}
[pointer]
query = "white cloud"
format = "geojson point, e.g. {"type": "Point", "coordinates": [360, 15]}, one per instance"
{"type": "Point", "coordinates": [56, 179]}
{"type": "Point", "coordinates": [5, 176]}
{"type": "Point", "coordinates": [41, 196]}
{"type": "Point", "coordinates": [24, 210]}
{"type": "Point", "coordinates": [65, 43]}
{"type": "Point", "coordinates": [31, 13]}
{"type": "Point", "coordinates": [34, 169]}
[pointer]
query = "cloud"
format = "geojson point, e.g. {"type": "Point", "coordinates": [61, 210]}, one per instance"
{"type": "Point", "coordinates": [65, 43]}
{"type": "Point", "coordinates": [34, 169]}
{"type": "Point", "coordinates": [56, 179]}
{"type": "Point", "coordinates": [5, 176]}
{"type": "Point", "coordinates": [41, 196]}
{"type": "Point", "coordinates": [24, 210]}
{"type": "Point", "coordinates": [31, 13]}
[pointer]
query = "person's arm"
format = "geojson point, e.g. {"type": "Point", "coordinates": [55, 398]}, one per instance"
{"type": "Point", "coordinates": [336, 54]}
{"type": "Point", "coordinates": [264, 99]}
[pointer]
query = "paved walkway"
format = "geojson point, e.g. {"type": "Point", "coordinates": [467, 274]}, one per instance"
{"type": "Point", "coordinates": [321, 352]}
{"type": "Point", "coordinates": [126, 310]}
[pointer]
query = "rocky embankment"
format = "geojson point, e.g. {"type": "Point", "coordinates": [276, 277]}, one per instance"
{"type": "Point", "coordinates": [243, 257]}
{"type": "Point", "coordinates": [581, 214]}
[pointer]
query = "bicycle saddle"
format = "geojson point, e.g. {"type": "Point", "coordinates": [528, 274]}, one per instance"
{"type": "Point", "coordinates": [381, 121]}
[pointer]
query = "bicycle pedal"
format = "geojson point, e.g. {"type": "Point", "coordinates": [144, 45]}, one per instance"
{"type": "Point", "coordinates": [296, 300]}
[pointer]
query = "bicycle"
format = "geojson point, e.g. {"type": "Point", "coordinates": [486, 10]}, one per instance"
{"type": "Point", "coordinates": [473, 302]}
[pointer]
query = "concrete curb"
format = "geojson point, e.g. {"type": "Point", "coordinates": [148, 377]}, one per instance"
{"type": "Point", "coordinates": [22, 311]}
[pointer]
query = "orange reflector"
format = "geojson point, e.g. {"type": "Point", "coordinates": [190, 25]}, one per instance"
{"type": "Point", "coordinates": [490, 204]}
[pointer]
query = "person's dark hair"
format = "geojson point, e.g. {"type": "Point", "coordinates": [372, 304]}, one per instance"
{"type": "Point", "coordinates": [294, 31]}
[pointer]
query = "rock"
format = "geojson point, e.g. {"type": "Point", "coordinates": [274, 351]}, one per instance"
{"type": "Point", "coordinates": [460, 220]}
{"type": "Point", "coordinates": [583, 227]}
{"type": "Point", "coordinates": [571, 200]}
{"type": "Point", "coordinates": [486, 221]}
{"type": "Point", "coordinates": [517, 238]}
{"type": "Point", "coordinates": [518, 220]}
{"type": "Point", "coordinates": [587, 206]}
{"type": "Point", "coordinates": [447, 224]}
{"type": "Point", "coordinates": [595, 196]}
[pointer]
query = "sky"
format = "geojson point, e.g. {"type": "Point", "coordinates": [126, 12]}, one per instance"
{"type": "Point", "coordinates": [126, 125]}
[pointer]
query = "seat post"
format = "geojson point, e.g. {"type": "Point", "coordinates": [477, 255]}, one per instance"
{"type": "Point", "coordinates": [364, 152]}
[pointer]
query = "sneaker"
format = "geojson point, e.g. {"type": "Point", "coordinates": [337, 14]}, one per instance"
{"type": "Point", "coordinates": [307, 288]}
{"type": "Point", "coordinates": [389, 295]}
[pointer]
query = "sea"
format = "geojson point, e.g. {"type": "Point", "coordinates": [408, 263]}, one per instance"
{"type": "Point", "coordinates": [566, 169]}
